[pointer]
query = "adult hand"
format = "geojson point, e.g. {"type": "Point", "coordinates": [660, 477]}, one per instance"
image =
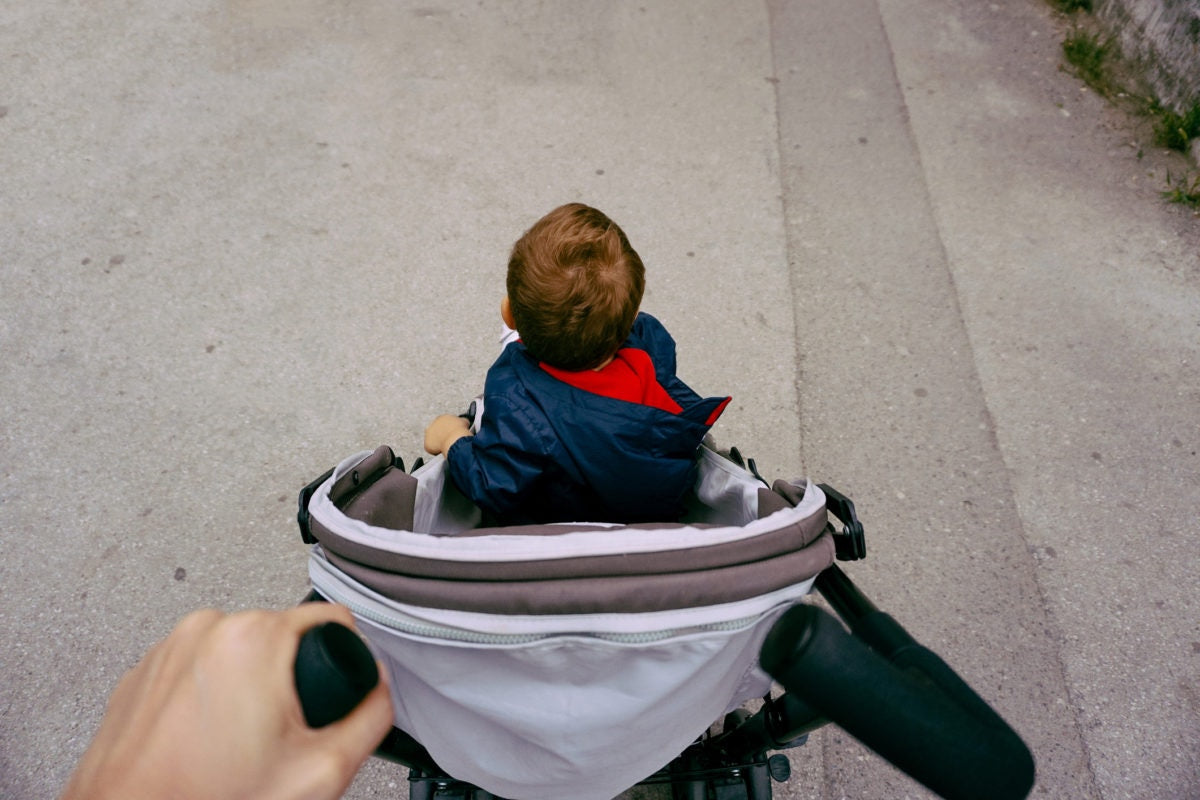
{"type": "Point", "coordinates": [212, 711]}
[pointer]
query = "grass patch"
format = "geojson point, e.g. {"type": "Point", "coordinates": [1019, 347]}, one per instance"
{"type": "Point", "coordinates": [1186, 191]}
{"type": "Point", "coordinates": [1176, 131]}
{"type": "Point", "coordinates": [1098, 62]}
{"type": "Point", "coordinates": [1088, 54]}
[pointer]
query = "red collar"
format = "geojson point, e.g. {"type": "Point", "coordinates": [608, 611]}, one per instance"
{"type": "Point", "coordinates": [629, 376]}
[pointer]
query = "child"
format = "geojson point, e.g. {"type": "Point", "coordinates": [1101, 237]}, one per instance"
{"type": "Point", "coordinates": [584, 418]}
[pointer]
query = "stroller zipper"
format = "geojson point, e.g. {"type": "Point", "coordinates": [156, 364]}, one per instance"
{"type": "Point", "coordinates": [393, 621]}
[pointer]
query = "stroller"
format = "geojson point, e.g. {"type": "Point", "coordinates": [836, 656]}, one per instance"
{"type": "Point", "coordinates": [576, 660]}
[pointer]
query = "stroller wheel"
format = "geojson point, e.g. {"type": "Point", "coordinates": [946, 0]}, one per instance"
{"type": "Point", "coordinates": [758, 782]}
{"type": "Point", "coordinates": [686, 782]}
{"type": "Point", "coordinates": [426, 786]}
{"type": "Point", "coordinates": [689, 790]}
{"type": "Point", "coordinates": [419, 789]}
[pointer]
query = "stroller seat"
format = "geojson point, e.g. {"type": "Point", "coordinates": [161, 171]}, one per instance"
{"type": "Point", "coordinates": [570, 659]}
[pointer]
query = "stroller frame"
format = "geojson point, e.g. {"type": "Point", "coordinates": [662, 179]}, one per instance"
{"type": "Point", "coordinates": [873, 680]}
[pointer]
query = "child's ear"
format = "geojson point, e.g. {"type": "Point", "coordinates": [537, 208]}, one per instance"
{"type": "Point", "coordinates": [506, 313]}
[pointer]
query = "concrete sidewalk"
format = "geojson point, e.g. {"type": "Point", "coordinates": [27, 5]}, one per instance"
{"type": "Point", "coordinates": [243, 240]}
{"type": "Point", "coordinates": [1017, 330]}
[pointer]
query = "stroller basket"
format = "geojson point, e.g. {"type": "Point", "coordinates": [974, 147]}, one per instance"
{"type": "Point", "coordinates": [577, 659]}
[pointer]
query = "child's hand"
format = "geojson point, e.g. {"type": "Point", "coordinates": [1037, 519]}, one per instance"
{"type": "Point", "coordinates": [445, 431]}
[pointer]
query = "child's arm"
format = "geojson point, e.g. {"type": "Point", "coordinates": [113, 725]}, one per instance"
{"type": "Point", "coordinates": [444, 431]}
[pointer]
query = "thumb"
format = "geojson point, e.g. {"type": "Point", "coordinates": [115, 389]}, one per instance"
{"type": "Point", "coordinates": [337, 751]}
{"type": "Point", "coordinates": [358, 733]}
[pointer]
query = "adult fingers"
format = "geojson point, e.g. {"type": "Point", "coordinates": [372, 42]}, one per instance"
{"type": "Point", "coordinates": [339, 749]}
{"type": "Point", "coordinates": [366, 725]}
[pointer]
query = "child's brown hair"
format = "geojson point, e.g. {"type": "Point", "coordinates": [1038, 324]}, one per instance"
{"type": "Point", "coordinates": [574, 287]}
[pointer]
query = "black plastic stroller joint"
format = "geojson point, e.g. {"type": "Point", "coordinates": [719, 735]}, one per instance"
{"type": "Point", "coordinates": [302, 517]}
{"type": "Point", "coordinates": [850, 542]}
{"type": "Point", "coordinates": [781, 723]}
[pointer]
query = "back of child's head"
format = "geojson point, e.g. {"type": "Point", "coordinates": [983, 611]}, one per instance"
{"type": "Point", "coordinates": [574, 287]}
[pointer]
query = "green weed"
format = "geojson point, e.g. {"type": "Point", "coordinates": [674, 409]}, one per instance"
{"type": "Point", "coordinates": [1098, 62]}
{"type": "Point", "coordinates": [1088, 54]}
{"type": "Point", "coordinates": [1186, 191]}
{"type": "Point", "coordinates": [1177, 130]}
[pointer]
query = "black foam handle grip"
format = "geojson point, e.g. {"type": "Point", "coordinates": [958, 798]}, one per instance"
{"type": "Point", "coordinates": [334, 672]}
{"type": "Point", "coordinates": [922, 730]}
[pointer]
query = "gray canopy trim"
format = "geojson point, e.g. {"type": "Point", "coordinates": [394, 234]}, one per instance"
{"type": "Point", "coordinates": [617, 593]}
{"type": "Point", "coordinates": [796, 535]}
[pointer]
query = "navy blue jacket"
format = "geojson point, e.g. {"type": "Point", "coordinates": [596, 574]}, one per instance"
{"type": "Point", "coordinates": [549, 452]}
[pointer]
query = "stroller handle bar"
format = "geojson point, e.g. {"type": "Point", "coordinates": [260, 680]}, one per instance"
{"type": "Point", "coordinates": [334, 671]}
{"type": "Point", "coordinates": [903, 702]}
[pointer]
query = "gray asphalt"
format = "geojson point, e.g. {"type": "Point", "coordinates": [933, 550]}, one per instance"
{"type": "Point", "coordinates": [239, 241]}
